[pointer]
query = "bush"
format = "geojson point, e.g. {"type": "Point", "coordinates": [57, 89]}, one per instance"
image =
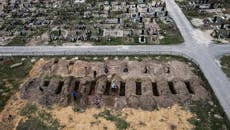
{"type": "Point", "coordinates": [120, 123]}
{"type": "Point", "coordinates": [28, 110]}
{"type": "Point", "coordinates": [33, 124]}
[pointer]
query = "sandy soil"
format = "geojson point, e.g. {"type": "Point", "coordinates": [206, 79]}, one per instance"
{"type": "Point", "coordinates": [37, 68]}
{"type": "Point", "coordinates": [13, 107]}
{"type": "Point", "coordinates": [39, 40]}
{"type": "Point", "coordinates": [164, 119]}
{"type": "Point", "coordinates": [204, 37]}
{"type": "Point", "coordinates": [197, 22]}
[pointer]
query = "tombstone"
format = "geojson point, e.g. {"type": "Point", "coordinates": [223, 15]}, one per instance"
{"type": "Point", "coordinates": [212, 6]}
{"type": "Point", "coordinates": [155, 15]}
{"type": "Point", "coordinates": [151, 20]}
{"type": "Point", "coordinates": [222, 26]}
{"type": "Point", "coordinates": [156, 5]}
{"type": "Point", "coordinates": [215, 19]}
{"type": "Point", "coordinates": [142, 39]}
{"type": "Point", "coordinates": [148, 10]}
{"type": "Point", "coordinates": [166, 13]}
{"type": "Point", "coordinates": [142, 32]}
{"type": "Point", "coordinates": [141, 19]}
{"type": "Point", "coordinates": [164, 5]}
{"type": "Point", "coordinates": [119, 20]}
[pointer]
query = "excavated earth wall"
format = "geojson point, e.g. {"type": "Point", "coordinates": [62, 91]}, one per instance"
{"type": "Point", "coordinates": [145, 84]}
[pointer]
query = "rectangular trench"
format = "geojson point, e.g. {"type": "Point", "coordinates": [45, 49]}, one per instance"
{"type": "Point", "coordinates": [92, 88]}
{"type": "Point", "coordinates": [138, 88]}
{"type": "Point", "coordinates": [172, 88]}
{"type": "Point", "coordinates": [107, 88]}
{"type": "Point", "coordinates": [46, 83]}
{"type": "Point", "coordinates": [122, 88]}
{"type": "Point", "coordinates": [77, 85]}
{"type": "Point", "coordinates": [189, 87]}
{"type": "Point", "coordinates": [155, 89]}
{"type": "Point", "coordinates": [59, 88]}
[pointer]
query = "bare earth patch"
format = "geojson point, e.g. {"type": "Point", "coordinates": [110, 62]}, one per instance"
{"type": "Point", "coordinates": [197, 22]}
{"type": "Point", "coordinates": [164, 118]}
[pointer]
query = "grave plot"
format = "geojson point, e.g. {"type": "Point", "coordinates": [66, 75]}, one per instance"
{"type": "Point", "coordinates": [65, 22]}
{"type": "Point", "coordinates": [211, 16]}
{"type": "Point", "coordinates": [124, 84]}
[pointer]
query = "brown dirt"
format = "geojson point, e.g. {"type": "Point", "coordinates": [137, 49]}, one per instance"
{"type": "Point", "coordinates": [92, 91]}
{"type": "Point", "coordinates": [164, 119]}
{"type": "Point", "coordinates": [168, 117]}
{"type": "Point", "coordinates": [37, 68]}
{"type": "Point", "coordinates": [13, 107]}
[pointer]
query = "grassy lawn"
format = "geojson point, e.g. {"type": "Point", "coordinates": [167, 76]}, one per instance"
{"type": "Point", "coordinates": [17, 41]}
{"type": "Point", "coordinates": [117, 41]}
{"type": "Point", "coordinates": [37, 119]}
{"type": "Point", "coordinates": [23, 40]}
{"type": "Point", "coordinates": [210, 114]}
{"type": "Point", "coordinates": [120, 123]}
{"type": "Point", "coordinates": [171, 34]}
{"type": "Point", "coordinates": [192, 13]}
{"type": "Point", "coordinates": [10, 78]}
{"type": "Point", "coordinates": [225, 63]}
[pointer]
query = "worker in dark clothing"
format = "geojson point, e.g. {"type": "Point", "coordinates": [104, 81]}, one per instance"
{"type": "Point", "coordinates": [10, 117]}
{"type": "Point", "coordinates": [106, 70]}
{"type": "Point", "coordinates": [97, 101]}
{"type": "Point", "coordinates": [125, 70]}
{"type": "Point", "coordinates": [74, 94]}
{"type": "Point", "coordinates": [94, 74]}
{"type": "Point", "coordinates": [167, 70]}
{"type": "Point", "coordinates": [146, 70]}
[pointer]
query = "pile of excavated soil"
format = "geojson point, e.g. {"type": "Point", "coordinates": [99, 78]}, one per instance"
{"type": "Point", "coordinates": [143, 84]}
{"type": "Point", "coordinates": [37, 68]}
{"type": "Point", "coordinates": [170, 116]}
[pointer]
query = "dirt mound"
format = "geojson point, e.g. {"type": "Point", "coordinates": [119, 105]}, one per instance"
{"type": "Point", "coordinates": [36, 68]}
{"type": "Point", "coordinates": [118, 84]}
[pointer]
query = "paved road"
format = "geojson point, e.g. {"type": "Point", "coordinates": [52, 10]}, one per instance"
{"type": "Point", "coordinates": [196, 47]}
{"type": "Point", "coordinates": [204, 52]}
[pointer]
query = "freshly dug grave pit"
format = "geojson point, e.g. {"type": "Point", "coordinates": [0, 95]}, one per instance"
{"type": "Point", "coordinates": [145, 84]}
